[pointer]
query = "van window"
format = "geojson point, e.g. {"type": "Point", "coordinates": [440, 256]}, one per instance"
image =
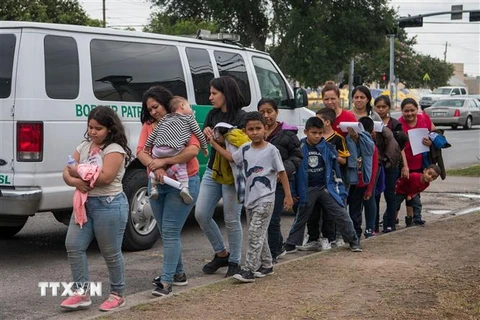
{"type": "Point", "coordinates": [7, 50]}
{"type": "Point", "coordinates": [123, 71]}
{"type": "Point", "coordinates": [202, 72]}
{"type": "Point", "coordinates": [456, 91]}
{"type": "Point", "coordinates": [271, 83]}
{"type": "Point", "coordinates": [62, 75]}
{"type": "Point", "coordinates": [232, 64]}
{"type": "Point", "coordinates": [463, 91]}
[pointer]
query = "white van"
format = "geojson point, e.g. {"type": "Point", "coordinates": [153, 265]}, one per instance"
{"type": "Point", "coordinates": [52, 75]}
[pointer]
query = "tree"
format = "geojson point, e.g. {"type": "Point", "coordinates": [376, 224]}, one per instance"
{"type": "Point", "coordinates": [318, 38]}
{"type": "Point", "coordinates": [52, 11]}
{"type": "Point", "coordinates": [410, 66]}
{"type": "Point", "coordinates": [248, 18]}
{"type": "Point", "coordinates": [163, 23]}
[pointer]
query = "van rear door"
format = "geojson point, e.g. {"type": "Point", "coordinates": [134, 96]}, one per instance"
{"type": "Point", "coordinates": [9, 39]}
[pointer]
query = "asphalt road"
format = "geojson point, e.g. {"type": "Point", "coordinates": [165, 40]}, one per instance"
{"type": "Point", "coordinates": [37, 253]}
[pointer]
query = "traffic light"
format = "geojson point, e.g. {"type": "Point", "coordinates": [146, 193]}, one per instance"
{"type": "Point", "coordinates": [474, 15]}
{"type": "Point", "coordinates": [411, 22]}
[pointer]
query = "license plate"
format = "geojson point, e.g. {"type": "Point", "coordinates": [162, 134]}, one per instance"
{"type": "Point", "coordinates": [439, 114]}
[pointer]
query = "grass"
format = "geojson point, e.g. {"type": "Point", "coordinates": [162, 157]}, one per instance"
{"type": "Point", "coordinates": [472, 171]}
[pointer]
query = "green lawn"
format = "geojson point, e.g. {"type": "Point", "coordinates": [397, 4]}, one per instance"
{"type": "Point", "coordinates": [472, 171]}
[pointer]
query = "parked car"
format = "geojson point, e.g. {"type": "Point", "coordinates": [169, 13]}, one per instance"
{"type": "Point", "coordinates": [454, 112]}
{"type": "Point", "coordinates": [441, 93]}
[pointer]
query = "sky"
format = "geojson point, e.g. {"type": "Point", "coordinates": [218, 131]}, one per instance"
{"type": "Point", "coordinates": [459, 38]}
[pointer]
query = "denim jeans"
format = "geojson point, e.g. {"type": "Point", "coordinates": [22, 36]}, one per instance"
{"type": "Point", "coordinates": [106, 221]}
{"type": "Point", "coordinates": [356, 204]}
{"type": "Point", "coordinates": [210, 193]}
{"type": "Point", "coordinates": [275, 238]}
{"type": "Point", "coordinates": [171, 213]}
{"type": "Point", "coordinates": [321, 196]}
{"type": "Point", "coordinates": [389, 216]}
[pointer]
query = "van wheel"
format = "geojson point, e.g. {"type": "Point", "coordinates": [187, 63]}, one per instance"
{"type": "Point", "coordinates": [12, 227]}
{"type": "Point", "coordinates": [63, 216]}
{"type": "Point", "coordinates": [141, 231]}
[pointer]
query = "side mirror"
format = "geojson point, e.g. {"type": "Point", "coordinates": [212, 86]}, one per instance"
{"type": "Point", "coordinates": [453, 94]}
{"type": "Point", "coordinates": [301, 97]}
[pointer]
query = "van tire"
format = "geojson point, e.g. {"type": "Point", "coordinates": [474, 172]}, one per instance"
{"type": "Point", "coordinates": [141, 231]}
{"type": "Point", "coordinates": [7, 232]}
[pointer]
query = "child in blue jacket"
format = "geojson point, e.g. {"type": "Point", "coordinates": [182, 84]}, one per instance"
{"type": "Point", "coordinates": [319, 182]}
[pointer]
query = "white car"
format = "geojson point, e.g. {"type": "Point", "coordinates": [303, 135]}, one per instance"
{"type": "Point", "coordinates": [440, 93]}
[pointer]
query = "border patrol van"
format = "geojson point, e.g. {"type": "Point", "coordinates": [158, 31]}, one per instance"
{"type": "Point", "coordinates": [52, 76]}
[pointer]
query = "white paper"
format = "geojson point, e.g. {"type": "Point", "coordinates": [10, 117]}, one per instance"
{"type": "Point", "coordinates": [415, 136]}
{"type": "Point", "coordinates": [169, 181]}
{"type": "Point", "coordinates": [223, 125]}
{"type": "Point", "coordinates": [357, 126]}
{"type": "Point", "coordinates": [378, 126]}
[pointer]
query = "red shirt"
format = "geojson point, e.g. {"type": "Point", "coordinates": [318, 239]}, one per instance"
{"type": "Point", "coordinates": [412, 185]}
{"type": "Point", "coordinates": [345, 116]}
{"type": "Point", "coordinates": [423, 121]}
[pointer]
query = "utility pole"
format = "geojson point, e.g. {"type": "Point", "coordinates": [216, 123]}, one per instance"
{"type": "Point", "coordinates": [104, 16]}
{"type": "Point", "coordinates": [445, 52]}
{"type": "Point", "coordinates": [392, 75]}
{"type": "Point", "coordinates": [350, 82]}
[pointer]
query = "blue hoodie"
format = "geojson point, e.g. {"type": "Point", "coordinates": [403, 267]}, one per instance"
{"type": "Point", "coordinates": [333, 176]}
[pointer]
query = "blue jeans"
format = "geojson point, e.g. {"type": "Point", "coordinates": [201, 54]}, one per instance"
{"type": "Point", "coordinates": [210, 193]}
{"type": "Point", "coordinates": [390, 214]}
{"type": "Point", "coordinates": [106, 221]}
{"type": "Point", "coordinates": [171, 213]}
{"type": "Point", "coordinates": [356, 203]}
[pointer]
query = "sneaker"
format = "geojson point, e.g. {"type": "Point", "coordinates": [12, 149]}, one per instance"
{"type": "Point", "coordinates": [282, 253]}
{"type": "Point", "coordinates": [387, 230]}
{"type": "Point", "coordinates": [369, 233]}
{"type": "Point", "coordinates": [309, 246]}
{"type": "Point", "coordinates": [289, 248]}
{"type": "Point", "coordinates": [419, 223]}
{"type": "Point", "coordinates": [324, 244]}
{"type": "Point", "coordinates": [244, 276]}
{"type": "Point", "coordinates": [262, 272]}
{"type": "Point", "coordinates": [339, 242]}
{"type": "Point", "coordinates": [408, 221]}
{"type": "Point", "coordinates": [355, 246]}
{"type": "Point", "coordinates": [233, 268]}
{"type": "Point", "coordinates": [76, 301]}
{"type": "Point", "coordinates": [186, 197]}
{"type": "Point", "coordinates": [180, 279]}
{"type": "Point", "coordinates": [112, 303]}
{"type": "Point", "coordinates": [153, 193]}
{"type": "Point", "coordinates": [216, 263]}
{"type": "Point", "coordinates": [162, 290]}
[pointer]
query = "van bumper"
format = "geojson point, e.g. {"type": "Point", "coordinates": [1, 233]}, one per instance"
{"type": "Point", "coordinates": [20, 201]}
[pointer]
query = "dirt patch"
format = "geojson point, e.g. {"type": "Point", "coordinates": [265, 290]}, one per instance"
{"type": "Point", "coordinates": [418, 273]}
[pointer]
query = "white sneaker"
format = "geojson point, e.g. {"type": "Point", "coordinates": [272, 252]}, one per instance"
{"type": "Point", "coordinates": [325, 244]}
{"type": "Point", "coordinates": [339, 242]}
{"type": "Point", "coordinates": [186, 197]}
{"type": "Point", "coordinates": [309, 246]}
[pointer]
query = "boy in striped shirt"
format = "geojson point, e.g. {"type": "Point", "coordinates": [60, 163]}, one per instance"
{"type": "Point", "coordinates": [169, 138]}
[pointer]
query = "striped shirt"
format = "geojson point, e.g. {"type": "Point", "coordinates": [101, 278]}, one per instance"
{"type": "Point", "coordinates": [174, 131]}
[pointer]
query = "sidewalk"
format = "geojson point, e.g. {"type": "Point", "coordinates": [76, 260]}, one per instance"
{"type": "Point", "coordinates": [428, 273]}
